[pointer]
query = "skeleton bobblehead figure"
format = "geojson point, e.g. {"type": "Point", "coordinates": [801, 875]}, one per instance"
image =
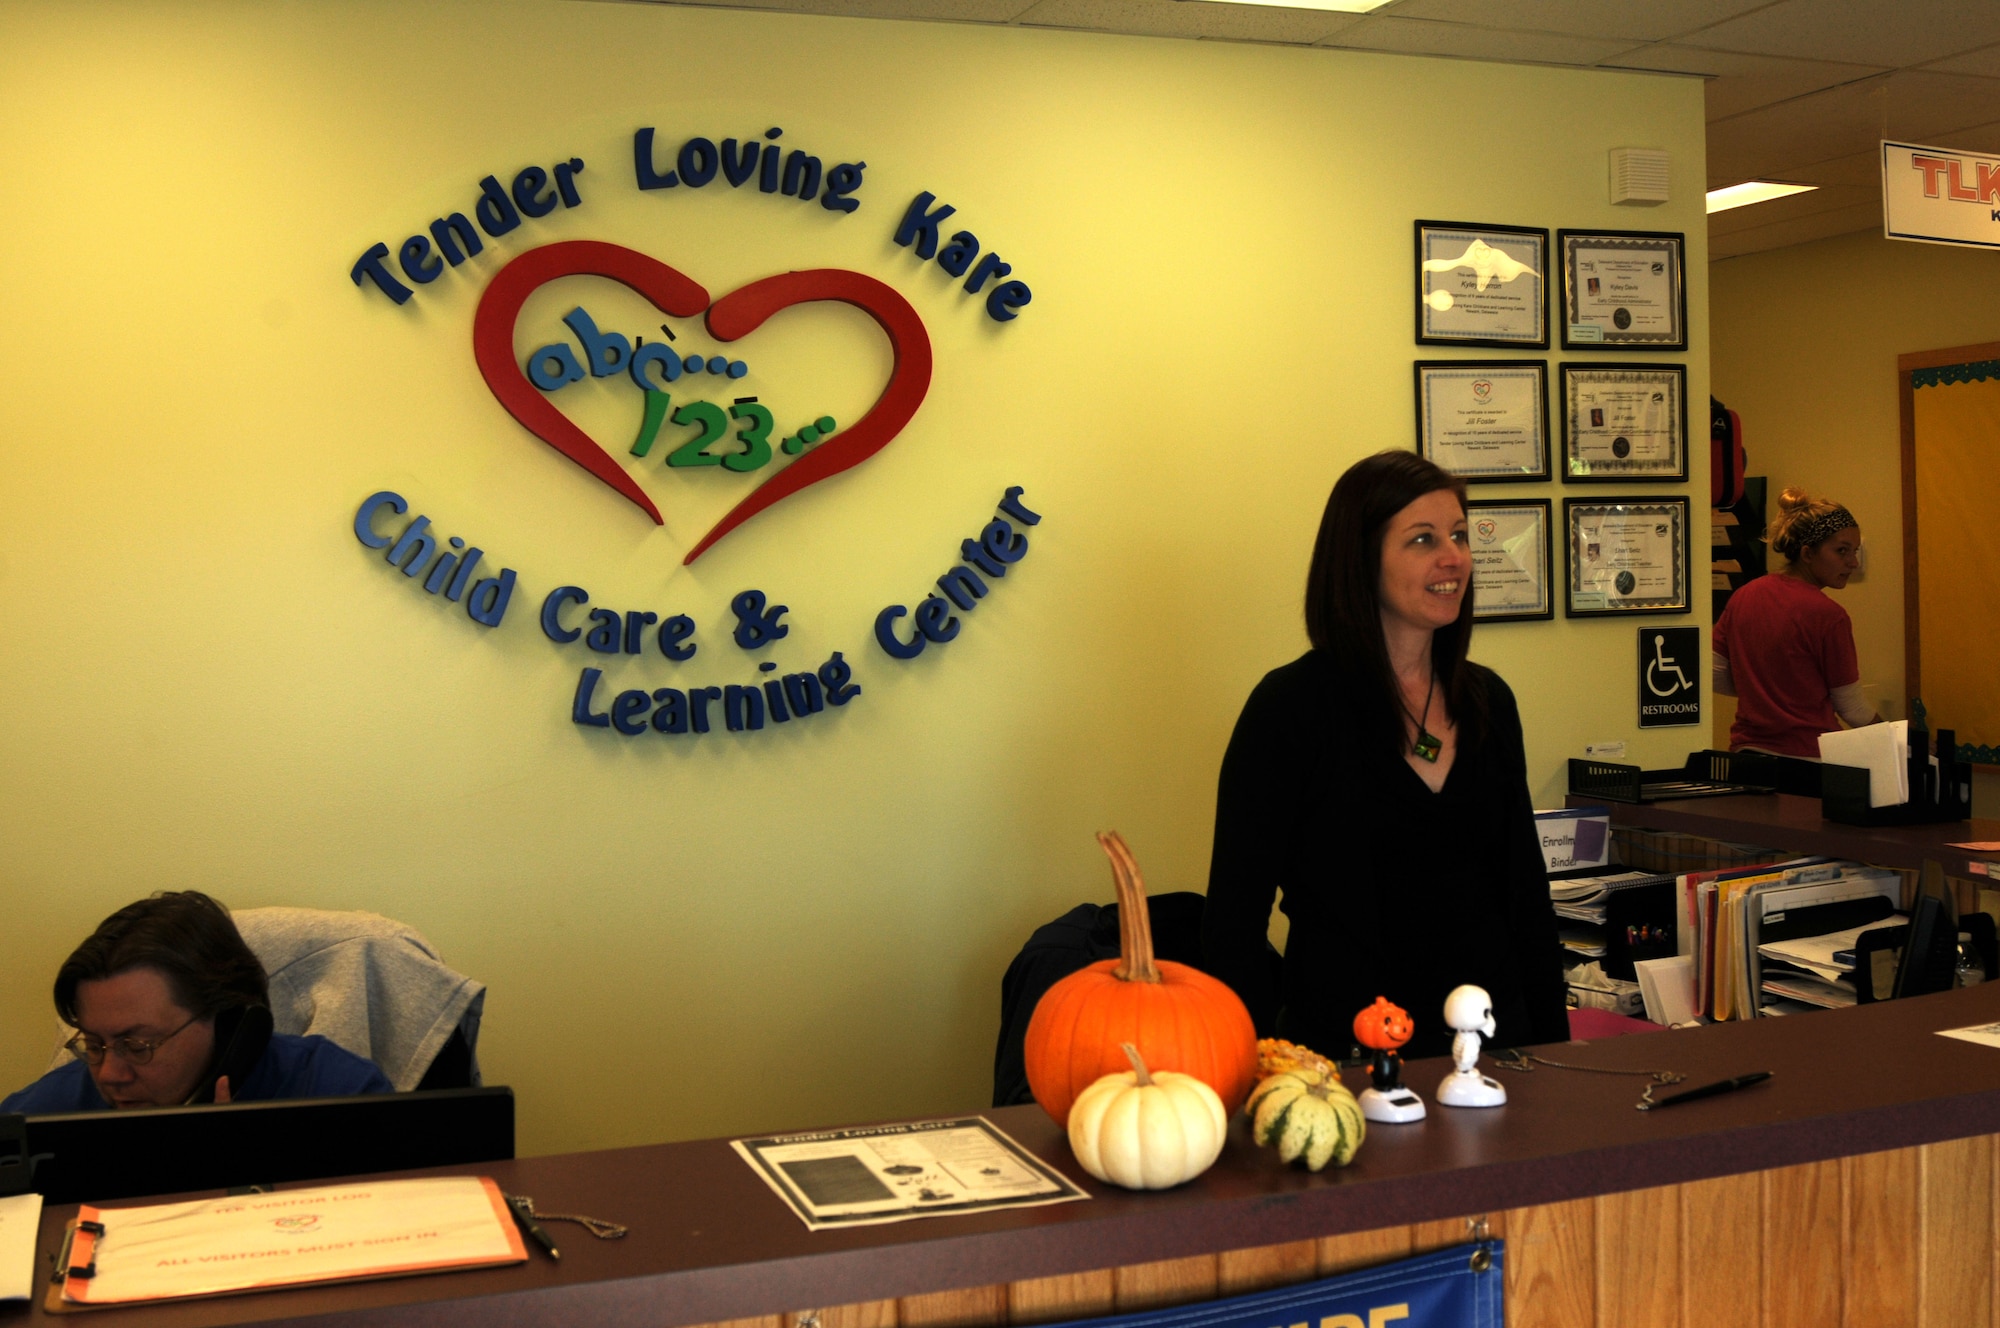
{"type": "Point", "coordinates": [1469, 1011]}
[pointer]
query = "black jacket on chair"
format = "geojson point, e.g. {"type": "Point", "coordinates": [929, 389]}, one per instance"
{"type": "Point", "coordinates": [1076, 940]}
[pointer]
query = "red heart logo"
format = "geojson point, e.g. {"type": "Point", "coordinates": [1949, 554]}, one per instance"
{"type": "Point", "coordinates": [735, 315]}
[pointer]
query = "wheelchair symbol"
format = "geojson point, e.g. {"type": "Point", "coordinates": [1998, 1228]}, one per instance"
{"type": "Point", "coordinates": [1664, 666]}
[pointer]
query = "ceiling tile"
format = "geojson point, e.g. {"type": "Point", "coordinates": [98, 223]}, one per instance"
{"type": "Point", "coordinates": [1637, 20]}
{"type": "Point", "coordinates": [1782, 140]}
{"type": "Point", "coordinates": [1972, 138]}
{"type": "Point", "coordinates": [1922, 104]}
{"type": "Point", "coordinates": [1985, 61]}
{"type": "Point", "coordinates": [1775, 140]}
{"type": "Point", "coordinates": [1905, 32]}
{"type": "Point", "coordinates": [968, 11]}
{"type": "Point", "coordinates": [1189, 18]}
{"type": "Point", "coordinates": [1739, 83]}
{"type": "Point", "coordinates": [1863, 169]}
{"type": "Point", "coordinates": [1798, 230]}
{"type": "Point", "coordinates": [1412, 36]}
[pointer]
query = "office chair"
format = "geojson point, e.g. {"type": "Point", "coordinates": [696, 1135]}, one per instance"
{"type": "Point", "coordinates": [374, 986]}
{"type": "Point", "coordinates": [369, 984]}
{"type": "Point", "coordinates": [1076, 940]}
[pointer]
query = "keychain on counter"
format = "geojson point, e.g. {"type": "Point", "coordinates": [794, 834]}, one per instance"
{"type": "Point", "coordinates": [596, 1226]}
{"type": "Point", "coordinates": [1513, 1058]}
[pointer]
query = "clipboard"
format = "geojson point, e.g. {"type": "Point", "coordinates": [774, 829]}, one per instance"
{"type": "Point", "coordinates": [241, 1245]}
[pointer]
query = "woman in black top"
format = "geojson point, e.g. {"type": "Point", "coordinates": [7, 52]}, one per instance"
{"type": "Point", "coordinates": [1379, 783]}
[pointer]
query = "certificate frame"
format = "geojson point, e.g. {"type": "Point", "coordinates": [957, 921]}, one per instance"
{"type": "Point", "coordinates": [1594, 584]}
{"type": "Point", "coordinates": [1530, 516]}
{"type": "Point", "coordinates": [1591, 318]}
{"type": "Point", "coordinates": [1503, 318]}
{"type": "Point", "coordinates": [1462, 386]}
{"type": "Point", "coordinates": [1596, 451]}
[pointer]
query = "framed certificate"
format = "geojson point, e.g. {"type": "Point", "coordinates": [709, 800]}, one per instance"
{"type": "Point", "coordinates": [1482, 285]}
{"type": "Point", "coordinates": [1512, 570]}
{"type": "Point", "coordinates": [1485, 420]}
{"type": "Point", "coordinates": [1626, 555]}
{"type": "Point", "coordinates": [1623, 289]}
{"type": "Point", "coordinates": [1624, 422]}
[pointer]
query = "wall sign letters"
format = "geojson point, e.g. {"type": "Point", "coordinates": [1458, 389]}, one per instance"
{"type": "Point", "coordinates": [566, 619]}
{"type": "Point", "coordinates": [998, 547]}
{"type": "Point", "coordinates": [697, 405]}
{"type": "Point", "coordinates": [415, 551]}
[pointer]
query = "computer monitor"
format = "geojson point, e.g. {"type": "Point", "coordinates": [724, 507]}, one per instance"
{"type": "Point", "coordinates": [95, 1155]}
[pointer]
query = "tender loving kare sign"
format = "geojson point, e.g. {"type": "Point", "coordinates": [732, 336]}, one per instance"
{"type": "Point", "coordinates": [681, 426]}
{"type": "Point", "coordinates": [1940, 196]}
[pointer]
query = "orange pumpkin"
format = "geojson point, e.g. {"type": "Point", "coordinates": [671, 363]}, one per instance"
{"type": "Point", "coordinates": [1180, 1018]}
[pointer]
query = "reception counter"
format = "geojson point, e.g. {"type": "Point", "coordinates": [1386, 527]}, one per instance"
{"type": "Point", "coordinates": [1856, 1186]}
{"type": "Point", "coordinates": [1787, 821]}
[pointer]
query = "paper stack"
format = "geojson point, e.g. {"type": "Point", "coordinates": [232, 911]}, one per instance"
{"type": "Point", "coordinates": [1751, 928]}
{"type": "Point", "coordinates": [1667, 987]}
{"type": "Point", "coordinates": [1883, 750]}
{"type": "Point", "coordinates": [1814, 970]}
{"type": "Point", "coordinates": [20, 1219]}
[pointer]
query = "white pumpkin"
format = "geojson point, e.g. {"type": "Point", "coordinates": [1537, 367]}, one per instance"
{"type": "Point", "coordinates": [1147, 1131]}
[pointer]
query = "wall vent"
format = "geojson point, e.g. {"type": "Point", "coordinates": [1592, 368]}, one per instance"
{"type": "Point", "coordinates": [1638, 176]}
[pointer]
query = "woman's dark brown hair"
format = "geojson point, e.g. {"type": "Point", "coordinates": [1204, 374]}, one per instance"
{"type": "Point", "coordinates": [1344, 601]}
{"type": "Point", "coordinates": [188, 937]}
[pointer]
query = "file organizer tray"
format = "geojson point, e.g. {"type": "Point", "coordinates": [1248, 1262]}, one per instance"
{"type": "Point", "coordinates": [1844, 795]}
{"type": "Point", "coordinates": [1706, 775]}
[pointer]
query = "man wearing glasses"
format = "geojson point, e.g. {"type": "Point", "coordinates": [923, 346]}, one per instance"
{"type": "Point", "coordinates": [171, 1007]}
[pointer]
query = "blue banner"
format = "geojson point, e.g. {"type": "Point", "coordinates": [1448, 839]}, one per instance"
{"type": "Point", "coordinates": [1445, 1289]}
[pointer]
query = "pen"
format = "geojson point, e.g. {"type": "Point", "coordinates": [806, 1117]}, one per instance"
{"type": "Point", "coordinates": [524, 1217]}
{"type": "Point", "coordinates": [1712, 1090]}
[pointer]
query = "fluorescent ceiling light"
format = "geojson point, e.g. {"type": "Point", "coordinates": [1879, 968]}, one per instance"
{"type": "Point", "coordinates": [1338, 6]}
{"type": "Point", "coordinates": [1753, 191]}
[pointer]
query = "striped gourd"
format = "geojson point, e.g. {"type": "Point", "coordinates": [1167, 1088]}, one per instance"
{"type": "Point", "coordinates": [1308, 1117]}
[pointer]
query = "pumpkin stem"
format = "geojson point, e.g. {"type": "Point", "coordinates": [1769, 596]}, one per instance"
{"type": "Point", "coordinates": [1135, 924]}
{"type": "Point", "coordinates": [1138, 1065]}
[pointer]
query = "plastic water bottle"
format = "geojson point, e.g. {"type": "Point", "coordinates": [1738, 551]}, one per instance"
{"type": "Point", "coordinates": [1971, 968]}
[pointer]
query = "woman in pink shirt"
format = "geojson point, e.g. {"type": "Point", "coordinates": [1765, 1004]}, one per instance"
{"type": "Point", "coordinates": [1783, 649]}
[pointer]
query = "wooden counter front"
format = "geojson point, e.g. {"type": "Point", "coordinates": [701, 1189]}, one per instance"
{"type": "Point", "coordinates": [1866, 1162]}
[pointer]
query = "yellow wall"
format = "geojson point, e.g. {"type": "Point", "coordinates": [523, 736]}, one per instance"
{"type": "Point", "coordinates": [1804, 348]}
{"type": "Point", "coordinates": [210, 683]}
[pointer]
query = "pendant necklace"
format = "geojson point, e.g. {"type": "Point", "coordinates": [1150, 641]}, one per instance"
{"type": "Point", "coordinates": [1428, 744]}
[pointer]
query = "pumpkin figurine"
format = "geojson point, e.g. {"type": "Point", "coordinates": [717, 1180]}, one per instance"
{"type": "Point", "coordinates": [1309, 1117]}
{"type": "Point", "coordinates": [1180, 1018]}
{"type": "Point", "coordinates": [1383, 1028]}
{"type": "Point", "coordinates": [1147, 1130]}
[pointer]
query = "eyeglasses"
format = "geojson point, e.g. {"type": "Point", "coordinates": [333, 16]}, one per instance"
{"type": "Point", "coordinates": [133, 1051]}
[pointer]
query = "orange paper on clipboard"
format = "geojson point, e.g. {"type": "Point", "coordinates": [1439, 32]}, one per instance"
{"type": "Point", "coordinates": [257, 1242]}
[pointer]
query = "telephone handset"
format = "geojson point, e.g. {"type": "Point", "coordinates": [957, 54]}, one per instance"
{"type": "Point", "coordinates": [241, 1034]}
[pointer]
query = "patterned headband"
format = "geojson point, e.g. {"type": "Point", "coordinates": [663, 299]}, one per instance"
{"type": "Point", "coordinates": [1818, 529]}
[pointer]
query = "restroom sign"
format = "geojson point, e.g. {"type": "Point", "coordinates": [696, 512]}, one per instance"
{"type": "Point", "coordinates": [1669, 676]}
